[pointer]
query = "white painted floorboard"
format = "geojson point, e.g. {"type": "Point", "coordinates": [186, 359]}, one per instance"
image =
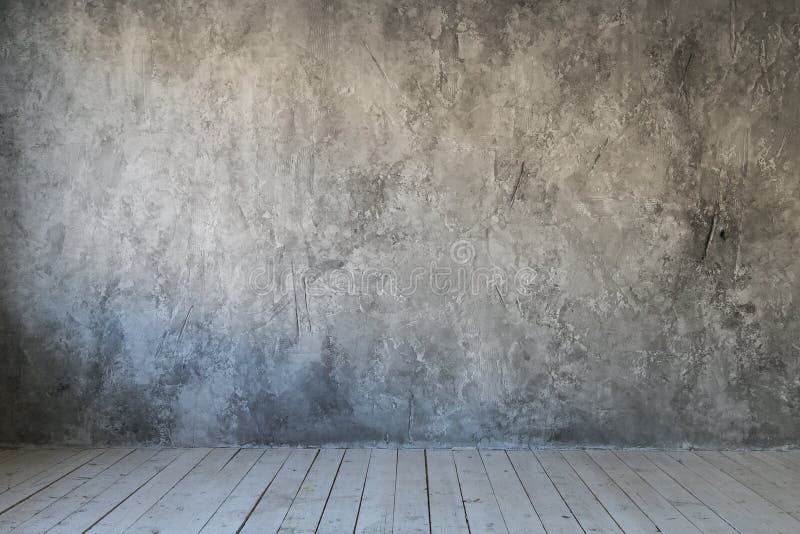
{"type": "Point", "coordinates": [332, 491]}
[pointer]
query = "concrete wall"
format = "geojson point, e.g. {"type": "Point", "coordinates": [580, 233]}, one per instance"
{"type": "Point", "coordinates": [451, 222]}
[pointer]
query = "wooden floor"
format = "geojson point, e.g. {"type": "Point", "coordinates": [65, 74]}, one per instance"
{"type": "Point", "coordinates": [390, 490]}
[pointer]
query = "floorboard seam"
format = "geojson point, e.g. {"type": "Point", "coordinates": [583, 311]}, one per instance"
{"type": "Point", "coordinates": [571, 511]}
{"type": "Point", "coordinates": [461, 492]}
{"type": "Point", "coordinates": [299, 488]}
{"type": "Point", "coordinates": [514, 468]}
{"type": "Point", "coordinates": [225, 498]}
{"type": "Point", "coordinates": [428, 490]}
{"type": "Point", "coordinates": [51, 482]}
{"type": "Point", "coordinates": [171, 487]}
{"type": "Point", "coordinates": [624, 492]}
{"type": "Point", "coordinates": [90, 527]}
{"type": "Point", "coordinates": [687, 490]}
{"type": "Point", "coordinates": [271, 480]}
{"type": "Point", "coordinates": [330, 490]}
{"type": "Point", "coordinates": [363, 486]}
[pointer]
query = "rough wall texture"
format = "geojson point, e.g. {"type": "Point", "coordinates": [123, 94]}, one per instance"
{"type": "Point", "coordinates": [263, 221]}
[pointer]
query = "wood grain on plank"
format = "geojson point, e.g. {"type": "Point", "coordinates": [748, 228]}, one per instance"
{"type": "Point", "coordinates": [411, 493]}
{"type": "Point", "coordinates": [771, 516]}
{"type": "Point", "coordinates": [586, 508]}
{"type": "Point", "coordinates": [234, 510]}
{"type": "Point", "coordinates": [652, 503]}
{"type": "Point", "coordinates": [106, 500]}
{"type": "Point", "coordinates": [47, 496]}
{"type": "Point", "coordinates": [554, 513]}
{"type": "Point", "coordinates": [446, 504]}
{"type": "Point", "coordinates": [32, 485]}
{"type": "Point", "coordinates": [80, 497]}
{"type": "Point", "coordinates": [483, 510]}
{"type": "Point", "coordinates": [624, 511]}
{"type": "Point", "coordinates": [134, 505]}
{"type": "Point", "coordinates": [703, 517]}
{"type": "Point", "coordinates": [343, 503]}
{"type": "Point", "coordinates": [270, 511]}
{"type": "Point", "coordinates": [377, 504]}
{"type": "Point", "coordinates": [305, 512]}
{"type": "Point", "coordinates": [518, 512]}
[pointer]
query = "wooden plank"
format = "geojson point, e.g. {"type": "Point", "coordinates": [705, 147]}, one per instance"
{"type": "Point", "coordinates": [770, 516]}
{"type": "Point", "coordinates": [377, 504]}
{"type": "Point", "coordinates": [29, 464]}
{"type": "Point", "coordinates": [220, 487]}
{"type": "Point", "coordinates": [554, 513]}
{"type": "Point", "coordinates": [270, 511]}
{"type": "Point", "coordinates": [587, 510]}
{"type": "Point", "coordinates": [624, 511]}
{"type": "Point", "coordinates": [173, 511]}
{"type": "Point", "coordinates": [235, 509]}
{"type": "Point", "coordinates": [305, 512]}
{"type": "Point", "coordinates": [791, 459]}
{"type": "Point", "coordinates": [665, 516]}
{"type": "Point", "coordinates": [793, 455]}
{"type": "Point", "coordinates": [83, 494]}
{"type": "Point", "coordinates": [685, 502]}
{"type": "Point", "coordinates": [341, 510]}
{"type": "Point", "coordinates": [737, 516]}
{"type": "Point", "coordinates": [779, 461]}
{"type": "Point", "coordinates": [411, 493]}
{"type": "Point", "coordinates": [518, 512]}
{"type": "Point", "coordinates": [480, 503]}
{"type": "Point", "coordinates": [22, 491]}
{"type": "Point", "coordinates": [131, 508]}
{"type": "Point", "coordinates": [775, 475]}
{"type": "Point", "coordinates": [76, 489]}
{"type": "Point", "coordinates": [191, 502]}
{"type": "Point", "coordinates": [42, 499]}
{"type": "Point", "coordinates": [92, 511]}
{"type": "Point", "coordinates": [446, 505]}
{"type": "Point", "coordinates": [787, 499]}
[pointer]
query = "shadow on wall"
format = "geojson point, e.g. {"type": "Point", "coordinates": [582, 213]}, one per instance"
{"type": "Point", "coordinates": [447, 223]}
{"type": "Point", "coordinates": [51, 394]}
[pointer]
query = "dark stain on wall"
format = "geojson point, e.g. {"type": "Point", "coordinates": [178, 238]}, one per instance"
{"type": "Point", "coordinates": [455, 222]}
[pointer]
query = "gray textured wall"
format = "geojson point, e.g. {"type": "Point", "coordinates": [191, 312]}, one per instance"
{"type": "Point", "coordinates": [213, 213]}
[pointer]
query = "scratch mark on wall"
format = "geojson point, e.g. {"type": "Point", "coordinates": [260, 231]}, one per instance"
{"type": "Point", "coordinates": [282, 304]}
{"type": "Point", "coordinates": [746, 154]}
{"type": "Point", "coordinates": [684, 89]}
{"type": "Point", "coordinates": [516, 185]}
{"type": "Point", "coordinates": [599, 153]}
{"type": "Point", "coordinates": [710, 237]}
{"type": "Point", "coordinates": [732, 34]}
{"type": "Point", "coordinates": [296, 312]}
{"type": "Point", "coordinates": [185, 320]}
{"type": "Point", "coordinates": [500, 295]}
{"type": "Point", "coordinates": [305, 302]}
{"type": "Point", "coordinates": [738, 203]}
{"type": "Point", "coordinates": [781, 147]}
{"type": "Point", "coordinates": [411, 418]}
{"type": "Point", "coordinates": [375, 61]}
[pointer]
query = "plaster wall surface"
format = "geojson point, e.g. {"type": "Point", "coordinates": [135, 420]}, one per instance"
{"type": "Point", "coordinates": [434, 222]}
